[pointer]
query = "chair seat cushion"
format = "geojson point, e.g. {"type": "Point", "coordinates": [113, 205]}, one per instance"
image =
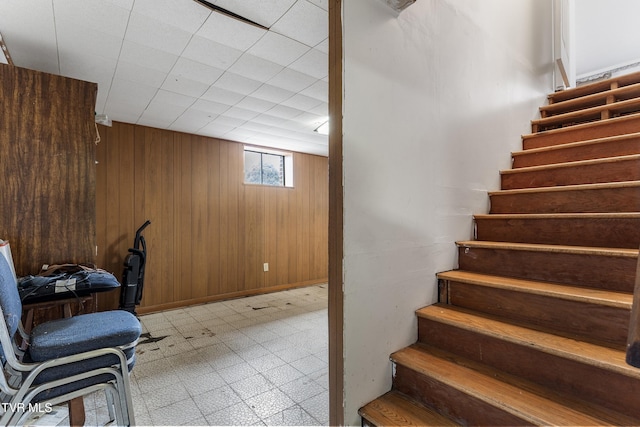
{"type": "Point", "coordinates": [86, 332]}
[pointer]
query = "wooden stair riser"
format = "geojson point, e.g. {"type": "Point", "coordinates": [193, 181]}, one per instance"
{"type": "Point", "coordinates": [456, 404]}
{"type": "Point", "coordinates": [592, 172]}
{"type": "Point", "coordinates": [601, 386]}
{"type": "Point", "coordinates": [618, 232]}
{"type": "Point", "coordinates": [606, 199]}
{"type": "Point", "coordinates": [599, 149]}
{"type": "Point", "coordinates": [580, 320]}
{"type": "Point", "coordinates": [602, 129]}
{"type": "Point", "coordinates": [598, 271]}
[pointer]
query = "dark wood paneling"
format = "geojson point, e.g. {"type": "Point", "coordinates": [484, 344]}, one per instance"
{"type": "Point", "coordinates": [47, 155]}
{"type": "Point", "coordinates": [210, 234]}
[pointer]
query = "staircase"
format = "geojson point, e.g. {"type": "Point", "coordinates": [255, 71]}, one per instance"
{"type": "Point", "coordinates": [531, 329]}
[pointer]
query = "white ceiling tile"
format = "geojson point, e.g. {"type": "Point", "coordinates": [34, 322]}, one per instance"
{"type": "Point", "coordinates": [313, 63]}
{"type": "Point", "coordinates": [262, 12]}
{"type": "Point", "coordinates": [222, 96]}
{"type": "Point", "coordinates": [211, 53]}
{"type": "Point", "coordinates": [323, 46]}
{"type": "Point", "coordinates": [240, 113]}
{"type": "Point", "coordinates": [125, 4]}
{"type": "Point", "coordinates": [284, 112]}
{"type": "Point", "coordinates": [156, 34]}
{"type": "Point", "coordinates": [292, 80]}
{"type": "Point", "coordinates": [167, 113]}
{"type": "Point", "coordinates": [229, 31]}
{"type": "Point", "coordinates": [122, 112]}
{"type": "Point", "coordinates": [255, 68]}
{"type": "Point", "coordinates": [90, 68]}
{"type": "Point", "coordinates": [79, 41]}
{"type": "Point", "coordinates": [164, 97]}
{"type": "Point", "coordinates": [236, 83]}
{"type": "Point", "coordinates": [191, 121]}
{"type": "Point", "coordinates": [210, 107]}
{"type": "Point", "coordinates": [272, 93]}
{"type": "Point", "coordinates": [184, 14]}
{"type": "Point", "coordinates": [318, 90]}
{"type": "Point", "coordinates": [99, 16]}
{"type": "Point", "coordinates": [143, 56]}
{"type": "Point", "coordinates": [184, 86]}
{"type": "Point", "coordinates": [196, 71]}
{"type": "Point", "coordinates": [28, 30]}
{"type": "Point", "coordinates": [216, 130]}
{"type": "Point", "coordinates": [266, 119]}
{"type": "Point", "coordinates": [278, 49]}
{"type": "Point", "coordinates": [321, 110]}
{"type": "Point", "coordinates": [229, 121]}
{"type": "Point", "coordinates": [310, 122]}
{"type": "Point", "coordinates": [304, 22]}
{"type": "Point", "coordinates": [255, 104]}
{"type": "Point", "coordinates": [301, 102]}
{"type": "Point", "coordinates": [137, 73]}
{"type": "Point", "coordinates": [154, 122]}
{"type": "Point", "coordinates": [132, 93]}
{"type": "Point", "coordinates": [324, 4]}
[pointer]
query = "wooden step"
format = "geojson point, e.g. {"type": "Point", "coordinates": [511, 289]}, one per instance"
{"type": "Point", "coordinates": [607, 197]}
{"type": "Point", "coordinates": [600, 268]}
{"type": "Point", "coordinates": [592, 100]}
{"type": "Point", "coordinates": [472, 393]}
{"type": "Point", "coordinates": [587, 131]}
{"type": "Point", "coordinates": [610, 169]}
{"type": "Point", "coordinates": [585, 115]}
{"type": "Point", "coordinates": [615, 230]}
{"type": "Point", "coordinates": [590, 372]}
{"type": "Point", "coordinates": [396, 409]}
{"type": "Point", "coordinates": [614, 146]}
{"type": "Point", "coordinates": [594, 88]}
{"type": "Point", "coordinates": [595, 315]}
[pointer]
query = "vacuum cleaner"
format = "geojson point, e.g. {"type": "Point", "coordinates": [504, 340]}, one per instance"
{"type": "Point", "coordinates": [133, 274]}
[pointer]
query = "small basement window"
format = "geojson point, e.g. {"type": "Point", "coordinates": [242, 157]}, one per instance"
{"type": "Point", "coordinates": [268, 167]}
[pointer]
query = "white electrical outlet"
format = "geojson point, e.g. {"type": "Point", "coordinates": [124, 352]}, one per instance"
{"type": "Point", "coordinates": [266, 266]}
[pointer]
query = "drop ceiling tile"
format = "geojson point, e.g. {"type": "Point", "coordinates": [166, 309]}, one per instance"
{"type": "Point", "coordinates": [236, 83]}
{"type": "Point", "coordinates": [309, 122]}
{"type": "Point", "coordinates": [164, 97]}
{"type": "Point", "coordinates": [209, 107]}
{"type": "Point", "coordinates": [324, 4]}
{"type": "Point", "coordinates": [29, 33]}
{"type": "Point", "coordinates": [278, 49]}
{"type": "Point", "coordinates": [301, 102]}
{"type": "Point", "coordinates": [272, 93]}
{"type": "Point", "coordinates": [323, 46]}
{"type": "Point", "coordinates": [304, 22]}
{"type": "Point", "coordinates": [147, 57]}
{"type": "Point", "coordinates": [292, 80]}
{"type": "Point", "coordinates": [154, 122]}
{"type": "Point", "coordinates": [268, 120]}
{"type": "Point", "coordinates": [263, 12]}
{"type": "Point", "coordinates": [229, 121]}
{"type": "Point", "coordinates": [255, 68]}
{"type": "Point", "coordinates": [216, 130]}
{"type": "Point", "coordinates": [184, 14]}
{"type": "Point", "coordinates": [255, 104]}
{"type": "Point", "coordinates": [137, 73]}
{"type": "Point", "coordinates": [191, 121]}
{"type": "Point", "coordinates": [240, 113]}
{"type": "Point", "coordinates": [284, 112]}
{"type": "Point", "coordinates": [184, 86]}
{"type": "Point", "coordinates": [222, 96]}
{"type": "Point", "coordinates": [313, 63]}
{"type": "Point", "coordinates": [196, 71]}
{"type": "Point", "coordinates": [102, 17]}
{"type": "Point", "coordinates": [125, 4]}
{"type": "Point", "coordinates": [132, 93]}
{"type": "Point", "coordinates": [156, 34]}
{"type": "Point", "coordinates": [80, 40]}
{"type": "Point", "coordinates": [319, 90]}
{"type": "Point", "coordinates": [321, 110]}
{"type": "Point", "coordinates": [157, 111]}
{"type": "Point", "coordinates": [89, 68]}
{"type": "Point", "coordinates": [230, 31]}
{"type": "Point", "coordinates": [122, 113]}
{"type": "Point", "coordinates": [211, 53]}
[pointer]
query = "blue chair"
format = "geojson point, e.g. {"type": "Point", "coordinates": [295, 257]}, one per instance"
{"type": "Point", "coordinates": [64, 359]}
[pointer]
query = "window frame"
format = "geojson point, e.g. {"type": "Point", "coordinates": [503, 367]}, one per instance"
{"type": "Point", "coordinates": [287, 165]}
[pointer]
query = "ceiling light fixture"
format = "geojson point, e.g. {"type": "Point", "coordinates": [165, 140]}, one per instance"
{"type": "Point", "coordinates": [323, 129]}
{"type": "Point", "coordinates": [230, 14]}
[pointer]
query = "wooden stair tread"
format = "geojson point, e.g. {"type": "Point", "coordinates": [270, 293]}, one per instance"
{"type": "Point", "coordinates": [579, 294]}
{"type": "Point", "coordinates": [595, 87]}
{"type": "Point", "coordinates": [575, 215]}
{"type": "Point", "coordinates": [396, 409]}
{"type": "Point", "coordinates": [585, 250]}
{"type": "Point", "coordinates": [570, 187]}
{"type": "Point", "coordinates": [615, 120]}
{"type": "Point", "coordinates": [578, 163]}
{"type": "Point", "coordinates": [587, 113]}
{"type": "Point", "coordinates": [578, 144]}
{"type": "Point", "coordinates": [591, 354]}
{"type": "Point", "coordinates": [575, 103]}
{"type": "Point", "coordinates": [518, 397]}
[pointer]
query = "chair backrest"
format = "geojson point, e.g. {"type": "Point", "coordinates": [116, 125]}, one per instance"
{"type": "Point", "coordinates": [9, 297]}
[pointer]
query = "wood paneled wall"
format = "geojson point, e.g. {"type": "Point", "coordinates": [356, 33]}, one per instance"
{"type": "Point", "coordinates": [210, 233]}
{"type": "Point", "coordinates": [47, 153]}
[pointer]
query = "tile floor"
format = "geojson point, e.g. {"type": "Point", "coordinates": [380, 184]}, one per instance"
{"type": "Point", "coordinates": [259, 360]}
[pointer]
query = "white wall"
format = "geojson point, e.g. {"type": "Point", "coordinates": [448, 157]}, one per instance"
{"type": "Point", "coordinates": [607, 34]}
{"type": "Point", "coordinates": [434, 101]}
